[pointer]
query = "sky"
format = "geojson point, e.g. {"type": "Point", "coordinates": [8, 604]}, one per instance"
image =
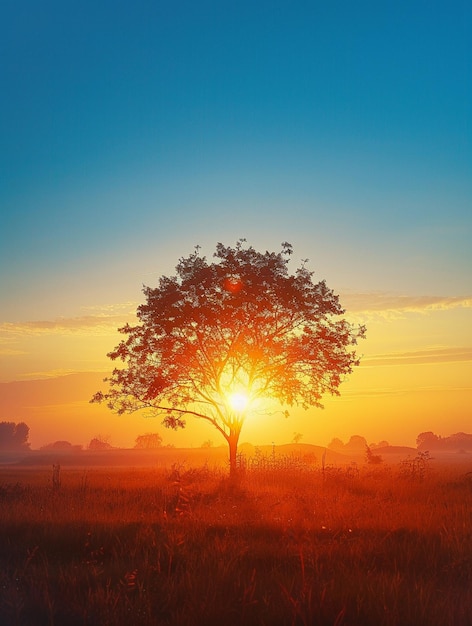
{"type": "Point", "coordinates": [132, 131]}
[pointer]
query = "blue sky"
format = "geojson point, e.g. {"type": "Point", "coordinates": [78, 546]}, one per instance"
{"type": "Point", "coordinates": [132, 131]}
{"type": "Point", "coordinates": [128, 125]}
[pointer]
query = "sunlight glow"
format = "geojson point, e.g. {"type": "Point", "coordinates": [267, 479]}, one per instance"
{"type": "Point", "coordinates": [238, 401]}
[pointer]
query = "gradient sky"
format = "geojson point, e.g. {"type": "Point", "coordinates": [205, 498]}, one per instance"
{"type": "Point", "coordinates": [132, 131]}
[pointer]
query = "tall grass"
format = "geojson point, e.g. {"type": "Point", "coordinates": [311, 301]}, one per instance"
{"type": "Point", "coordinates": [283, 546]}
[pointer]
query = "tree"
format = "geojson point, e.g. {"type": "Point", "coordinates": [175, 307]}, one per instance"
{"type": "Point", "coordinates": [148, 441]}
{"type": "Point", "coordinates": [371, 458]}
{"type": "Point", "coordinates": [13, 436]}
{"type": "Point", "coordinates": [459, 441]}
{"type": "Point", "coordinates": [431, 441]}
{"type": "Point", "coordinates": [64, 446]}
{"type": "Point", "coordinates": [381, 444]}
{"type": "Point", "coordinates": [428, 441]}
{"type": "Point", "coordinates": [356, 443]}
{"type": "Point", "coordinates": [297, 437]}
{"type": "Point", "coordinates": [99, 443]}
{"type": "Point", "coordinates": [218, 337]}
{"type": "Point", "coordinates": [336, 444]}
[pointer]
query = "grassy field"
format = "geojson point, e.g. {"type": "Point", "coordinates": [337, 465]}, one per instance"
{"type": "Point", "coordinates": [293, 545]}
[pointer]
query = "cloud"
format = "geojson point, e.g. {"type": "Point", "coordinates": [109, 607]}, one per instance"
{"type": "Point", "coordinates": [389, 305]}
{"type": "Point", "coordinates": [120, 308]}
{"type": "Point", "coordinates": [419, 357]}
{"type": "Point", "coordinates": [11, 352]}
{"type": "Point", "coordinates": [85, 324]}
{"type": "Point", "coordinates": [58, 373]}
{"type": "Point", "coordinates": [8, 346]}
{"type": "Point", "coordinates": [394, 392]}
{"type": "Point", "coordinates": [100, 319]}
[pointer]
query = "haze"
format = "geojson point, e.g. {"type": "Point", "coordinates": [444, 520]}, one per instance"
{"type": "Point", "coordinates": [132, 132]}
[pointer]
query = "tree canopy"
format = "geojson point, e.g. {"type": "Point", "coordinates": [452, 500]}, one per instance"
{"type": "Point", "coordinates": [217, 337]}
{"type": "Point", "coordinates": [148, 441]}
{"type": "Point", "coordinates": [14, 436]}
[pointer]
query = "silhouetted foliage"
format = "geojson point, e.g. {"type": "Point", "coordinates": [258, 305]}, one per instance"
{"type": "Point", "coordinates": [458, 441]}
{"type": "Point", "coordinates": [356, 445]}
{"type": "Point", "coordinates": [14, 437]}
{"type": "Point", "coordinates": [371, 458]}
{"type": "Point", "coordinates": [427, 440]}
{"type": "Point", "coordinates": [148, 441]}
{"type": "Point", "coordinates": [453, 443]}
{"type": "Point", "coordinates": [242, 323]}
{"type": "Point", "coordinates": [99, 444]}
{"type": "Point", "coordinates": [64, 446]}
{"type": "Point", "coordinates": [380, 444]}
{"type": "Point", "coordinates": [336, 444]}
{"type": "Point", "coordinates": [297, 437]}
{"type": "Point", "coordinates": [415, 468]}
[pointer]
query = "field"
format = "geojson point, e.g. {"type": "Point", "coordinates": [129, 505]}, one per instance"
{"type": "Point", "coordinates": [386, 545]}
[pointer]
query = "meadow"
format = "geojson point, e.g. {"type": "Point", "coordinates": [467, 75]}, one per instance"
{"type": "Point", "coordinates": [285, 544]}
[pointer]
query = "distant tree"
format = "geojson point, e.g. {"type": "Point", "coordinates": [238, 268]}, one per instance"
{"type": "Point", "coordinates": [455, 442]}
{"type": "Point", "coordinates": [356, 443]}
{"type": "Point", "coordinates": [297, 437]}
{"type": "Point", "coordinates": [97, 443]}
{"type": "Point", "coordinates": [216, 338]}
{"type": "Point", "coordinates": [381, 444]}
{"type": "Point", "coordinates": [336, 444]}
{"type": "Point", "coordinates": [207, 444]}
{"type": "Point", "coordinates": [14, 437]}
{"type": "Point", "coordinates": [428, 441]}
{"type": "Point", "coordinates": [459, 441]}
{"type": "Point", "coordinates": [62, 445]}
{"type": "Point", "coordinates": [57, 445]}
{"type": "Point", "coordinates": [371, 458]}
{"type": "Point", "coordinates": [148, 441]}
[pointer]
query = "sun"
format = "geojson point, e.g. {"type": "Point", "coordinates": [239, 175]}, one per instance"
{"type": "Point", "coordinates": [238, 401]}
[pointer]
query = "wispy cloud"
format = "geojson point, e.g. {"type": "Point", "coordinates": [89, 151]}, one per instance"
{"type": "Point", "coordinates": [9, 346]}
{"type": "Point", "coordinates": [11, 352]}
{"type": "Point", "coordinates": [86, 324]}
{"type": "Point", "coordinates": [394, 392]}
{"type": "Point", "coordinates": [419, 357]}
{"type": "Point", "coordinates": [387, 304]}
{"type": "Point", "coordinates": [100, 319]}
{"type": "Point", "coordinates": [120, 308]}
{"type": "Point", "coordinates": [58, 373]}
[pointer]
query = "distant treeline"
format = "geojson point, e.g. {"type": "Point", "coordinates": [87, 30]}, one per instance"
{"type": "Point", "coordinates": [453, 443]}
{"type": "Point", "coordinates": [14, 438]}
{"type": "Point", "coordinates": [426, 441]}
{"type": "Point", "coordinates": [355, 445]}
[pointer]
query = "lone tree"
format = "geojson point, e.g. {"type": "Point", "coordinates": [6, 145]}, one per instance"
{"type": "Point", "coordinates": [219, 338]}
{"type": "Point", "coordinates": [14, 437]}
{"type": "Point", "coordinates": [148, 441]}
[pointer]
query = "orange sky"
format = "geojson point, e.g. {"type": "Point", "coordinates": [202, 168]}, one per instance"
{"type": "Point", "coordinates": [415, 375]}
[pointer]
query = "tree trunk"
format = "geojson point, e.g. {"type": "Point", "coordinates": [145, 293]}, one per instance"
{"type": "Point", "coordinates": [233, 449]}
